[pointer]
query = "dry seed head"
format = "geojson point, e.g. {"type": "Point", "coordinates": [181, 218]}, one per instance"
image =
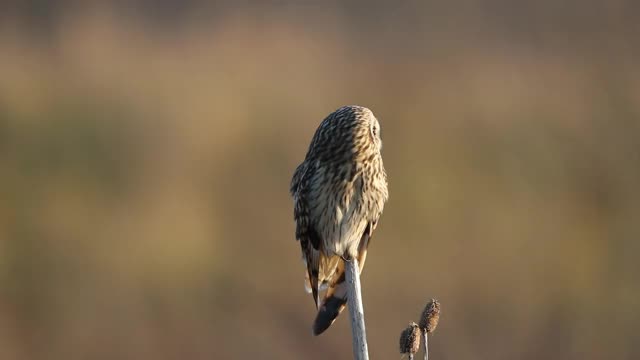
{"type": "Point", "coordinates": [430, 316]}
{"type": "Point", "coordinates": [410, 339]}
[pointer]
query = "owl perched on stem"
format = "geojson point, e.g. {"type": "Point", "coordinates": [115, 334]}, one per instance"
{"type": "Point", "coordinates": [339, 192]}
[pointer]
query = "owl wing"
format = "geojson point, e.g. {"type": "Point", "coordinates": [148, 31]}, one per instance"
{"type": "Point", "coordinates": [310, 241]}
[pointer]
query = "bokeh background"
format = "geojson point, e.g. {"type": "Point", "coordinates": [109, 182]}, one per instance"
{"type": "Point", "coordinates": [146, 149]}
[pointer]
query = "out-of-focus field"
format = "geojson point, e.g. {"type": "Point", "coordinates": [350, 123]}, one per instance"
{"type": "Point", "coordinates": [146, 153]}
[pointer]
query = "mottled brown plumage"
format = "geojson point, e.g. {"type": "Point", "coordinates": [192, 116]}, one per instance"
{"type": "Point", "coordinates": [339, 192]}
{"type": "Point", "coordinates": [430, 316]}
{"type": "Point", "coordinates": [410, 340]}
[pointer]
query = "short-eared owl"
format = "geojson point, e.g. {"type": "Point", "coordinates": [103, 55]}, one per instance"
{"type": "Point", "coordinates": [339, 192]}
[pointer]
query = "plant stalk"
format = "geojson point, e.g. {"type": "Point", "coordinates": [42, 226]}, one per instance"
{"type": "Point", "coordinates": [426, 344]}
{"type": "Point", "coordinates": [356, 312]}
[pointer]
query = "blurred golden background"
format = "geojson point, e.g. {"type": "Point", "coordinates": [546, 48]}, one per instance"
{"type": "Point", "coordinates": [146, 149]}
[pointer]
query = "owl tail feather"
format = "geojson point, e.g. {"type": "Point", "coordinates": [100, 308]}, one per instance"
{"type": "Point", "coordinates": [335, 300]}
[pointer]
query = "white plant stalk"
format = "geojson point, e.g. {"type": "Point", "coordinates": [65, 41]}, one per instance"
{"type": "Point", "coordinates": [356, 312]}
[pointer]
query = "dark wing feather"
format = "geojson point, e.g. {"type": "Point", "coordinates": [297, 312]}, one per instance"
{"type": "Point", "coordinates": [305, 232]}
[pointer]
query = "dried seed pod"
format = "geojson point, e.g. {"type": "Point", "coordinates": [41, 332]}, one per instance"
{"type": "Point", "coordinates": [410, 340]}
{"type": "Point", "coordinates": [430, 316]}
